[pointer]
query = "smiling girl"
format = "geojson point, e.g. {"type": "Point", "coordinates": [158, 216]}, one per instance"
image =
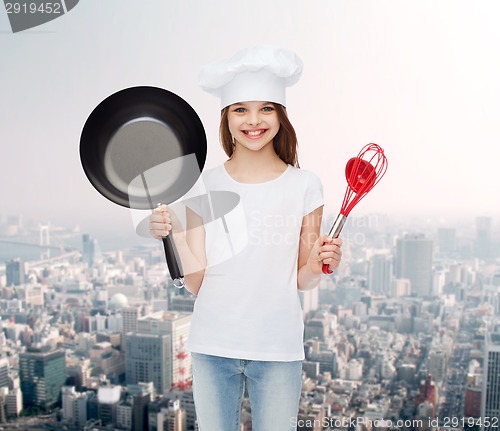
{"type": "Point", "coordinates": [247, 326]}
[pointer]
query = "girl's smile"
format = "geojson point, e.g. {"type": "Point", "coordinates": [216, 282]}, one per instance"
{"type": "Point", "coordinates": [253, 124]}
{"type": "Point", "coordinates": [255, 134]}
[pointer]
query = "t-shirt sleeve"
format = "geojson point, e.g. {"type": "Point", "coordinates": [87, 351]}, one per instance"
{"type": "Point", "coordinates": [314, 193]}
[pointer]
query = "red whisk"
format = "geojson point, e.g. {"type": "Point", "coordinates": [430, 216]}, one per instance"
{"type": "Point", "coordinates": [362, 173]}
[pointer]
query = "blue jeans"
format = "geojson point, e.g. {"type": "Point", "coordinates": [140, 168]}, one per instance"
{"type": "Point", "coordinates": [274, 389]}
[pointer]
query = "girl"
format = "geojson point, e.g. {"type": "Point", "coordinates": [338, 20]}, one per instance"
{"type": "Point", "coordinates": [247, 326]}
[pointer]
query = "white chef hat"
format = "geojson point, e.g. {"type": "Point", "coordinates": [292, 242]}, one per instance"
{"type": "Point", "coordinates": [259, 73]}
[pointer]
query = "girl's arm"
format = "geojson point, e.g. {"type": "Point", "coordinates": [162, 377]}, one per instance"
{"type": "Point", "coordinates": [314, 250]}
{"type": "Point", "coordinates": [195, 239]}
{"type": "Point", "coordinates": [190, 244]}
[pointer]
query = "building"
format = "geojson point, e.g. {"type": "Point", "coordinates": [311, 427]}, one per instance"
{"type": "Point", "coordinates": [4, 372]}
{"type": "Point", "coordinates": [78, 370]}
{"type": "Point", "coordinates": [446, 241]}
{"type": "Point", "coordinates": [155, 352]}
{"type": "Point", "coordinates": [490, 397]}
{"type": "Point", "coordinates": [172, 418]}
{"type": "Point", "coordinates": [186, 400]}
{"type": "Point", "coordinates": [354, 370]}
{"type": "Point", "coordinates": [472, 404]}
{"type": "Point", "coordinates": [414, 262]}
{"type": "Point", "coordinates": [43, 374]}
{"type": "Point", "coordinates": [106, 360]}
{"type": "Point", "coordinates": [15, 272]}
{"type": "Point", "coordinates": [108, 398]}
{"type": "Point", "coordinates": [380, 274]}
{"type": "Point", "coordinates": [148, 359]}
{"type": "Point", "coordinates": [437, 364]}
{"type": "Point", "coordinates": [310, 418]}
{"type": "Point", "coordinates": [483, 237]}
{"type": "Point", "coordinates": [124, 414]}
{"type": "Point", "coordinates": [80, 408]}
{"type": "Point", "coordinates": [34, 295]}
{"type": "Point", "coordinates": [427, 396]}
{"type": "Point", "coordinates": [131, 314]}
{"type": "Point", "coordinates": [3, 410]}
{"type": "Point", "coordinates": [68, 396]}
{"type": "Point", "coordinates": [90, 249]}
{"type": "Point", "coordinates": [316, 328]}
{"type": "Point", "coordinates": [176, 325]}
{"type": "Point", "coordinates": [114, 338]}
{"type": "Point", "coordinates": [14, 403]}
{"type": "Point", "coordinates": [183, 303]}
{"type": "Point", "coordinates": [406, 372]}
{"type": "Point", "coordinates": [142, 394]}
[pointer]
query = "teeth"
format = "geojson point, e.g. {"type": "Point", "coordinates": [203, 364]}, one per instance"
{"type": "Point", "coordinates": [254, 133]}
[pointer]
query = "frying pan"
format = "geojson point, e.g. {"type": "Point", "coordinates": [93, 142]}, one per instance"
{"type": "Point", "coordinates": [140, 130]}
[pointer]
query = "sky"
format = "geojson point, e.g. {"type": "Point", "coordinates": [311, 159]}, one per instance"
{"type": "Point", "coordinates": [420, 78]}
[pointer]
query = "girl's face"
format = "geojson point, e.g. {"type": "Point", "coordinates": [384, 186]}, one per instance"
{"type": "Point", "coordinates": [253, 124]}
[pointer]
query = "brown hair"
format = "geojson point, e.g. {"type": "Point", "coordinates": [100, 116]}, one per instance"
{"type": "Point", "coordinates": [285, 142]}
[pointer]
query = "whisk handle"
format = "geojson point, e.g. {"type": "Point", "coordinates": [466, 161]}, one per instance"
{"type": "Point", "coordinates": [334, 233]}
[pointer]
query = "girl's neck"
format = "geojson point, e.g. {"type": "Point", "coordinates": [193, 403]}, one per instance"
{"type": "Point", "coordinates": [254, 167]}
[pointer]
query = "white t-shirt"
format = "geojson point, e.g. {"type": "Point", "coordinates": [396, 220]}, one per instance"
{"type": "Point", "coordinates": [248, 305]}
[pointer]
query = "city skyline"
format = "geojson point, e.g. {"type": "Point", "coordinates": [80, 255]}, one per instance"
{"type": "Point", "coordinates": [374, 349]}
{"type": "Point", "coordinates": [20, 237]}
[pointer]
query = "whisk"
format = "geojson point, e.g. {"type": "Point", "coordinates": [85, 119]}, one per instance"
{"type": "Point", "coordinates": [362, 173]}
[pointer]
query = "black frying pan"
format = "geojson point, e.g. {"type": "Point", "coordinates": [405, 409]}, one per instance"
{"type": "Point", "coordinates": [143, 146]}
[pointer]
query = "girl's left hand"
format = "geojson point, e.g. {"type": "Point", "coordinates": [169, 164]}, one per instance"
{"type": "Point", "coordinates": [325, 250]}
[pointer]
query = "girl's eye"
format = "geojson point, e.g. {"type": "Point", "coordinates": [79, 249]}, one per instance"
{"type": "Point", "coordinates": [267, 108]}
{"type": "Point", "coordinates": [239, 110]}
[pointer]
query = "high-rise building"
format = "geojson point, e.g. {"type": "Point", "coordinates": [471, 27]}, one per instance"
{"type": "Point", "coordinates": [472, 403]}
{"type": "Point", "coordinates": [427, 394]}
{"type": "Point", "coordinates": [80, 409]}
{"type": "Point", "coordinates": [490, 396]}
{"type": "Point", "coordinates": [78, 369]}
{"type": "Point", "coordinates": [14, 402]}
{"type": "Point", "coordinates": [176, 325]}
{"type": "Point", "coordinates": [316, 327]}
{"type": "Point", "coordinates": [446, 241]}
{"type": "Point", "coordinates": [187, 403]}
{"type": "Point", "coordinates": [142, 394]}
{"type": "Point", "coordinates": [124, 414]}
{"type": "Point", "coordinates": [148, 359]}
{"type": "Point", "coordinates": [3, 404]}
{"type": "Point", "coordinates": [414, 262]}
{"type": "Point", "coordinates": [43, 374]}
{"type": "Point", "coordinates": [437, 364]}
{"type": "Point", "coordinates": [108, 398]}
{"type": "Point", "coordinates": [380, 274]}
{"type": "Point", "coordinates": [88, 249]}
{"type": "Point", "coordinates": [172, 418]}
{"type": "Point", "coordinates": [400, 287]}
{"type": "Point", "coordinates": [155, 352]}
{"type": "Point", "coordinates": [4, 372]}
{"type": "Point", "coordinates": [15, 272]}
{"type": "Point", "coordinates": [107, 360]}
{"type": "Point", "coordinates": [483, 237]}
{"type": "Point", "coordinates": [68, 395]}
{"type": "Point", "coordinates": [131, 314]}
{"type": "Point", "coordinates": [354, 370]}
{"type": "Point", "coordinates": [182, 303]}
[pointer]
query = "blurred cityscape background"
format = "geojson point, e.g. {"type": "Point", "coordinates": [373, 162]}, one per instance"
{"type": "Point", "coordinates": [404, 335]}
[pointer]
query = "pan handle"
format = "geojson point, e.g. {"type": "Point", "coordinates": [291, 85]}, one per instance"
{"type": "Point", "coordinates": [334, 233]}
{"type": "Point", "coordinates": [173, 262]}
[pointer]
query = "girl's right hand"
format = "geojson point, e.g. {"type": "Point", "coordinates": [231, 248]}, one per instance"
{"type": "Point", "coordinates": [161, 221]}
